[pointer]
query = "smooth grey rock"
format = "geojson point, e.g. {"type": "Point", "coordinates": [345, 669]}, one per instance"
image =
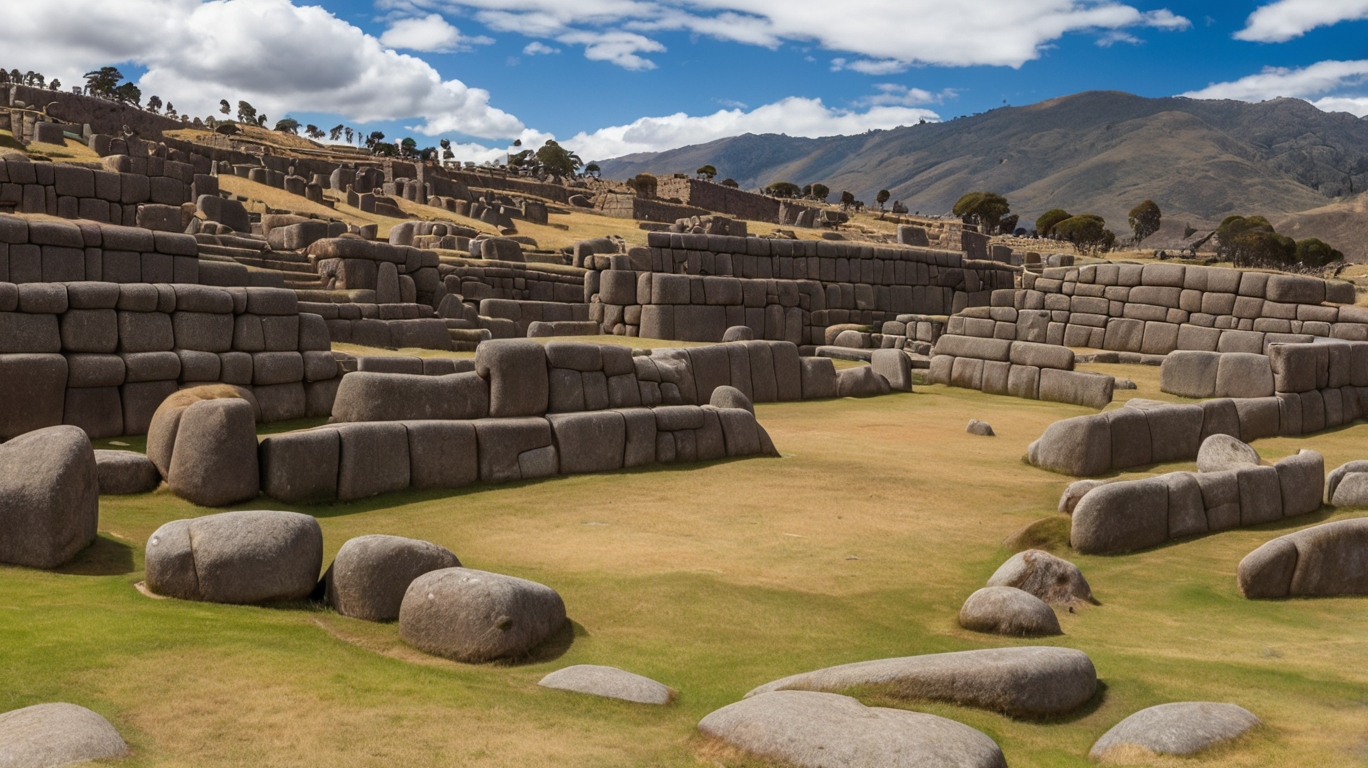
{"type": "Point", "coordinates": [125, 472]}
{"type": "Point", "coordinates": [1301, 478]}
{"type": "Point", "coordinates": [1050, 578]}
{"type": "Point", "coordinates": [517, 375]}
{"type": "Point", "coordinates": [1356, 495]}
{"type": "Point", "coordinates": [738, 333]}
{"type": "Point", "coordinates": [475, 616]}
{"type": "Point", "coordinates": [609, 682]}
{"type": "Point", "coordinates": [53, 735]}
{"type": "Point", "coordinates": [368, 578]}
{"type": "Point", "coordinates": [1008, 611]}
{"type": "Point", "coordinates": [214, 461]}
{"type": "Point", "coordinates": [1180, 728]}
{"type": "Point", "coordinates": [49, 497]}
{"type": "Point", "coordinates": [731, 397]}
{"type": "Point", "coordinates": [1121, 516]}
{"type": "Point", "coordinates": [1068, 500]}
{"type": "Point", "coordinates": [1024, 682]}
{"type": "Point", "coordinates": [369, 396]}
{"type": "Point", "coordinates": [863, 381]}
{"type": "Point", "coordinates": [254, 556]}
{"type": "Point", "coordinates": [980, 428]}
{"type": "Point", "coordinates": [1321, 561]}
{"type": "Point", "coordinates": [1222, 452]}
{"type": "Point", "coordinates": [1079, 446]}
{"type": "Point", "coordinates": [825, 730]}
{"type": "Point", "coordinates": [894, 366]}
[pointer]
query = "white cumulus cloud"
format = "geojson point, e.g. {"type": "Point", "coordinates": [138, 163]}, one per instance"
{"type": "Point", "coordinates": [793, 116]}
{"type": "Point", "coordinates": [1286, 19]}
{"type": "Point", "coordinates": [620, 48]}
{"type": "Point", "coordinates": [1354, 105]}
{"type": "Point", "coordinates": [882, 35]}
{"type": "Point", "coordinates": [1326, 79]}
{"type": "Point", "coordinates": [538, 48]}
{"type": "Point", "coordinates": [279, 56]}
{"type": "Point", "coordinates": [431, 33]}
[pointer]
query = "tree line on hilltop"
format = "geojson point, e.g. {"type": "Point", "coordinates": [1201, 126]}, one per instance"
{"type": "Point", "coordinates": [1246, 241]}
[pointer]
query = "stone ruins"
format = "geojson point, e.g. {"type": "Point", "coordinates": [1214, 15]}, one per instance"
{"type": "Point", "coordinates": [139, 295]}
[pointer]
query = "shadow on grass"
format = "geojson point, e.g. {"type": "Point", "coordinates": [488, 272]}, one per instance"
{"type": "Point", "coordinates": [104, 557]}
{"type": "Point", "coordinates": [553, 647]}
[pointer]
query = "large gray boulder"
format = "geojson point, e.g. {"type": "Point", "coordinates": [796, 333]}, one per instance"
{"type": "Point", "coordinates": [518, 380]}
{"type": "Point", "coordinates": [894, 366]}
{"type": "Point", "coordinates": [1222, 452]}
{"type": "Point", "coordinates": [1008, 611]}
{"type": "Point", "coordinates": [165, 423]}
{"type": "Point", "coordinates": [1074, 493]}
{"type": "Point", "coordinates": [125, 472]}
{"type": "Point", "coordinates": [608, 682]}
{"type": "Point", "coordinates": [824, 730]}
{"type": "Point", "coordinates": [49, 497]}
{"type": "Point", "coordinates": [1026, 682]}
{"type": "Point", "coordinates": [863, 381]}
{"type": "Point", "coordinates": [52, 735]}
{"type": "Point", "coordinates": [370, 396]}
{"type": "Point", "coordinates": [1121, 516]}
{"type": "Point", "coordinates": [1080, 446]}
{"type": "Point", "coordinates": [1040, 573]}
{"type": "Point", "coordinates": [236, 557]}
{"type": "Point", "coordinates": [214, 460]}
{"type": "Point", "coordinates": [731, 397]}
{"type": "Point", "coordinates": [475, 616]}
{"type": "Point", "coordinates": [1321, 561]}
{"type": "Point", "coordinates": [1347, 485]}
{"type": "Point", "coordinates": [1180, 728]}
{"type": "Point", "coordinates": [1301, 480]}
{"type": "Point", "coordinates": [368, 578]}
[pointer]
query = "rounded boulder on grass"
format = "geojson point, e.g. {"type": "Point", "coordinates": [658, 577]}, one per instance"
{"type": "Point", "coordinates": [475, 616]}
{"type": "Point", "coordinates": [368, 578]}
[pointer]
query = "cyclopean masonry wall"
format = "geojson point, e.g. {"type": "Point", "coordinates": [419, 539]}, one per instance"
{"type": "Point", "coordinates": [103, 356]}
{"type": "Point", "coordinates": [101, 115]}
{"type": "Point", "coordinates": [1018, 368]}
{"type": "Point", "coordinates": [629, 206]}
{"type": "Point", "coordinates": [1157, 308]}
{"type": "Point", "coordinates": [731, 201]}
{"type": "Point", "coordinates": [693, 287]}
{"type": "Point", "coordinates": [135, 191]}
{"type": "Point", "coordinates": [60, 251]}
{"type": "Point", "coordinates": [528, 411]}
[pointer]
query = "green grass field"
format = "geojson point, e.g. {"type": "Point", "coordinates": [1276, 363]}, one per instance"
{"type": "Point", "coordinates": [860, 543]}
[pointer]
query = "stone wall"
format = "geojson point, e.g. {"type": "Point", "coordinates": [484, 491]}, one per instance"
{"type": "Point", "coordinates": [396, 273]}
{"type": "Point", "coordinates": [692, 287]}
{"type": "Point", "coordinates": [102, 116]}
{"type": "Point", "coordinates": [113, 193]}
{"type": "Point", "coordinates": [1019, 369]}
{"type": "Point", "coordinates": [59, 251]}
{"type": "Point", "coordinates": [711, 196]}
{"type": "Point", "coordinates": [477, 280]}
{"type": "Point", "coordinates": [103, 356]}
{"type": "Point", "coordinates": [1158, 308]}
{"type": "Point", "coordinates": [641, 209]}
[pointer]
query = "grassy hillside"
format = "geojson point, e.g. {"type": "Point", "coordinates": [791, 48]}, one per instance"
{"type": "Point", "coordinates": [1101, 152]}
{"type": "Point", "coordinates": [860, 543]}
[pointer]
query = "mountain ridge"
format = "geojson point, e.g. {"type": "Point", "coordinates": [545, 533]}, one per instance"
{"type": "Point", "coordinates": [1098, 151]}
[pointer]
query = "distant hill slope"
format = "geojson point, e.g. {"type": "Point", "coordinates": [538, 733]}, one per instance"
{"type": "Point", "coordinates": [1343, 224]}
{"type": "Point", "coordinates": [1100, 152]}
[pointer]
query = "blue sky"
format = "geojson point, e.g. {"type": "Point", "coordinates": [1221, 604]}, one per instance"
{"type": "Point", "coordinates": [608, 77]}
